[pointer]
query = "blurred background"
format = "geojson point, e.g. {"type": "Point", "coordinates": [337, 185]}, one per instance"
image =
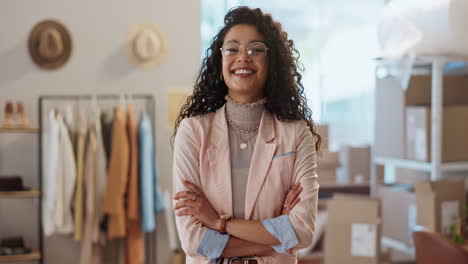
{"type": "Point", "coordinates": [385, 79]}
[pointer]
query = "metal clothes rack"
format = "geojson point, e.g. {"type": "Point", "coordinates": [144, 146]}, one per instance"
{"type": "Point", "coordinates": [150, 107]}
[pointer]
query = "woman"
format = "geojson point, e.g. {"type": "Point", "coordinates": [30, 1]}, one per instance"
{"type": "Point", "coordinates": [244, 156]}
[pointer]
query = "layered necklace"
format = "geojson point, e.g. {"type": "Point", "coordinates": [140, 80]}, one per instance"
{"type": "Point", "coordinates": [241, 130]}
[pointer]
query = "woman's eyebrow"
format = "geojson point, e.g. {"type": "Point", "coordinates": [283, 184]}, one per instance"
{"type": "Point", "coordinates": [236, 41]}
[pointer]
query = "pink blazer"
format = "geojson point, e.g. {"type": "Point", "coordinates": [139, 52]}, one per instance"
{"type": "Point", "coordinates": [284, 154]}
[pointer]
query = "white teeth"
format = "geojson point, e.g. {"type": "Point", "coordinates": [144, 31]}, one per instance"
{"type": "Point", "coordinates": [243, 71]}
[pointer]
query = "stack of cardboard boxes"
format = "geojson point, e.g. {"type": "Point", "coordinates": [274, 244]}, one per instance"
{"type": "Point", "coordinates": [351, 165]}
{"type": "Point", "coordinates": [355, 164]}
{"type": "Point", "coordinates": [403, 122]}
{"type": "Point", "coordinates": [454, 132]}
{"type": "Point", "coordinates": [355, 223]}
{"type": "Point", "coordinates": [403, 130]}
{"type": "Point", "coordinates": [440, 204]}
{"type": "Point", "coordinates": [434, 205]}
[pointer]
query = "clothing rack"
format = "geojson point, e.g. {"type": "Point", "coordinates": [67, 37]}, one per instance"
{"type": "Point", "coordinates": [150, 108]}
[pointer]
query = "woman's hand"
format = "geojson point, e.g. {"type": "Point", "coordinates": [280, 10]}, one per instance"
{"type": "Point", "coordinates": [292, 198]}
{"type": "Point", "coordinates": [196, 204]}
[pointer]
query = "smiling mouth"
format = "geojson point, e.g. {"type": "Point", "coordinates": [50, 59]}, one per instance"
{"type": "Point", "coordinates": [243, 72]}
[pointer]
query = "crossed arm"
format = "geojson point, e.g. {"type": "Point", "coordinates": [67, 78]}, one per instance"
{"type": "Point", "coordinates": [248, 237]}
{"type": "Point", "coordinates": [195, 224]}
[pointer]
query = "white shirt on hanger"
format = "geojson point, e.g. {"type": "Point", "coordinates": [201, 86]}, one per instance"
{"type": "Point", "coordinates": [66, 179]}
{"type": "Point", "coordinates": [50, 139]}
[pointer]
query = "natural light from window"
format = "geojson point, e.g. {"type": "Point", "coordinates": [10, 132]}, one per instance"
{"type": "Point", "coordinates": [337, 41]}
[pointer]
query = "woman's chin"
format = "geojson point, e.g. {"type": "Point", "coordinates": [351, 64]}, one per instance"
{"type": "Point", "coordinates": [243, 88]}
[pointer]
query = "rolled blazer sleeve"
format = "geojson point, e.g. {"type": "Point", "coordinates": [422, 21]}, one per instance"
{"type": "Point", "coordinates": [303, 215]}
{"type": "Point", "coordinates": [187, 167]}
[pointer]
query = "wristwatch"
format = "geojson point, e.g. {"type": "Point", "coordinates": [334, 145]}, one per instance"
{"type": "Point", "coordinates": [224, 220]}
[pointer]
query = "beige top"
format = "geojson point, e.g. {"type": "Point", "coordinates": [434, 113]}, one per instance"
{"type": "Point", "coordinates": [246, 116]}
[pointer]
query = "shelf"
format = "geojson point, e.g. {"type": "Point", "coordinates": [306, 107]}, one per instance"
{"type": "Point", "coordinates": [421, 165]}
{"type": "Point", "coordinates": [356, 188]}
{"type": "Point", "coordinates": [20, 194]}
{"type": "Point", "coordinates": [398, 245]}
{"type": "Point", "coordinates": [23, 257]}
{"type": "Point", "coordinates": [19, 130]}
{"type": "Point", "coordinates": [424, 61]}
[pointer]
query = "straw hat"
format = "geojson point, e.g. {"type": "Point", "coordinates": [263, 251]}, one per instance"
{"type": "Point", "coordinates": [146, 45]}
{"type": "Point", "coordinates": [50, 44]}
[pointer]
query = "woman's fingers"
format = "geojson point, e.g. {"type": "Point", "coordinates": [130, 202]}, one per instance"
{"type": "Point", "coordinates": [292, 198]}
{"type": "Point", "coordinates": [191, 186]}
{"type": "Point", "coordinates": [296, 201]}
{"type": "Point", "coordinates": [184, 212]}
{"type": "Point", "coordinates": [184, 194]}
{"type": "Point", "coordinates": [289, 195]}
{"type": "Point", "coordinates": [292, 251]}
{"type": "Point", "coordinates": [187, 195]}
{"type": "Point", "coordinates": [184, 203]}
{"type": "Point", "coordinates": [293, 193]}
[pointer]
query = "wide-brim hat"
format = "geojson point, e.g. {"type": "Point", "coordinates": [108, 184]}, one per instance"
{"type": "Point", "coordinates": [50, 44]}
{"type": "Point", "coordinates": [146, 45]}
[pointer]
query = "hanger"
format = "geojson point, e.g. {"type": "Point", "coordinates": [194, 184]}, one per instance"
{"type": "Point", "coordinates": [94, 101]}
{"type": "Point", "coordinates": [135, 104]}
{"type": "Point", "coordinates": [56, 112]}
{"type": "Point", "coordinates": [123, 101]}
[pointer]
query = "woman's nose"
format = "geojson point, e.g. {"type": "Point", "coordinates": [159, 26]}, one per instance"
{"type": "Point", "coordinates": [243, 55]}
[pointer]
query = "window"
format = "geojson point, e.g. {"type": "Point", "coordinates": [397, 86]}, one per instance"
{"type": "Point", "coordinates": [337, 41]}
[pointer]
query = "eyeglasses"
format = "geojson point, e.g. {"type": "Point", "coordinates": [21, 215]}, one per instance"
{"type": "Point", "coordinates": [255, 50]}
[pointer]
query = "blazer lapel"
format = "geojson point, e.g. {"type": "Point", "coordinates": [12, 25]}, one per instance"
{"type": "Point", "coordinates": [220, 159]}
{"type": "Point", "coordinates": [264, 151]}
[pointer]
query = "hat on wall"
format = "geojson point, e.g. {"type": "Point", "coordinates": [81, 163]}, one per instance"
{"type": "Point", "coordinates": [146, 45]}
{"type": "Point", "coordinates": [50, 44]}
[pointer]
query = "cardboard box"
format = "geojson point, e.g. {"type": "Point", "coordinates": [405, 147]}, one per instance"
{"type": "Point", "coordinates": [454, 133]}
{"type": "Point", "coordinates": [398, 211]}
{"type": "Point", "coordinates": [352, 234]}
{"type": "Point", "coordinates": [327, 166]}
{"type": "Point", "coordinates": [326, 175]}
{"type": "Point", "coordinates": [355, 163]}
{"type": "Point", "coordinates": [329, 160]}
{"type": "Point", "coordinates": [323, 132]}
{"type": "Point", "coordinates": [391, 101]}
{"type": "Point", "coordinates": [439, 204]}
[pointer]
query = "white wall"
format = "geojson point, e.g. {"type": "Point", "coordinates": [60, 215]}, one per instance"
{"type": "Point", "coordinates": [98, 64]}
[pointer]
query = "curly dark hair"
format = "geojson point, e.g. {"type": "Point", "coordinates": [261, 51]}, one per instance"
{"type": "Point", "coordinates": [283, 90]}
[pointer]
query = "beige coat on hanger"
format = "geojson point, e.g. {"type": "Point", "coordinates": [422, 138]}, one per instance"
{"type": "Point", "coordinates": [117, 175]}
{"type": "Point", "coordinates": [134, 242]}
{"type": "Point", "coordinates": [94, 181]}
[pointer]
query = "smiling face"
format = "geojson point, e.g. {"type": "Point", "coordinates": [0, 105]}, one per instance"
{"type": "Point", "coordinates": [245, 75]}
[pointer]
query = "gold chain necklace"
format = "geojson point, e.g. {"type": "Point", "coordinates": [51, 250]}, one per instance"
{"type": "Point", "coordinates": [239, 129]}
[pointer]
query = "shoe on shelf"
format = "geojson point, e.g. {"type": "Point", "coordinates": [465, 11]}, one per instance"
{"type": "Point", "coordinates": [9, 115]}
{"type": "Point", "coordinates": [21, 119]}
